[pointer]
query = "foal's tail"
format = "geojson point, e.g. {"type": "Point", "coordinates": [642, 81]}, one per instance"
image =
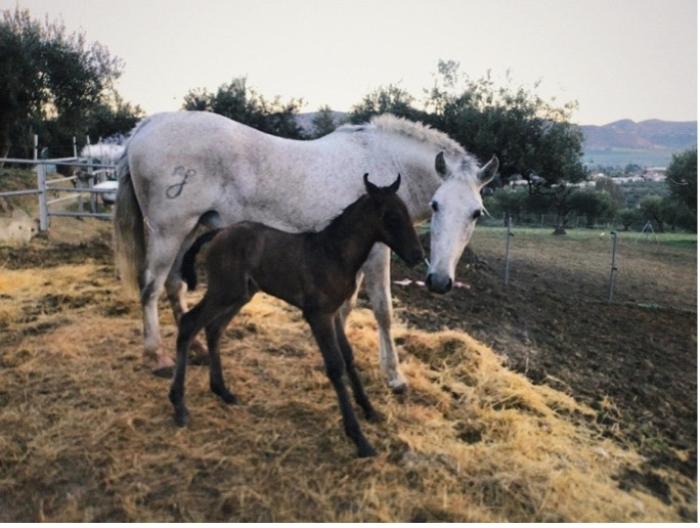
{"type": "Point", "coordinates": [129, 237]}
{"type": "Point", "coordinates": [187, 271]}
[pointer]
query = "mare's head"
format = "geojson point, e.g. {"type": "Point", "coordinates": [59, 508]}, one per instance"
{"type": "Point", "coordinates": [393, 222]}
{"type": "Point", "coordinates": [456, 207]}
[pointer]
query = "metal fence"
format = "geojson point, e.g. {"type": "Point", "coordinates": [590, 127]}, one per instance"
{"type": "Point", "coordinates": [83, 182]}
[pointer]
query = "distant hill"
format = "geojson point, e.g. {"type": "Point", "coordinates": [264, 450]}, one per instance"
{"type": "Point", "coordinates": [650, 134]}
{"type": "Point", "coordinates": [647, 143]}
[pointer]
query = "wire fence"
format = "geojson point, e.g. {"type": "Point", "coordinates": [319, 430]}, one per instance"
{"type": "Point", "coordinates": [87, 176]}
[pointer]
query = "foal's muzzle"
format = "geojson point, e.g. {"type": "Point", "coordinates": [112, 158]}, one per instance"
{"type": "Point", "coordinates": [437, 283]}
{"type": "Point", "coordinates": [415, 258]}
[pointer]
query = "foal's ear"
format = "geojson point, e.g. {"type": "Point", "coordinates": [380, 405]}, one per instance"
{"type": "Point", "coordinates": [371, 188]}
{"type": "Point", "coordinates": [394, 186]}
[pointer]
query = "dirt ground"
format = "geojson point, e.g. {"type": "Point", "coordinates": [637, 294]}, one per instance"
{"type": "Point", "coordinates": [86, 433]}
{"type": "Point", "coordinates": [634, 361]}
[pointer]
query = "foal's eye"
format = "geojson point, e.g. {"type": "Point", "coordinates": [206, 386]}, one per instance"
{"type": "Point", "coordinates": [476, 214]}
{"type": "Point", "coordinates": [434, 205]}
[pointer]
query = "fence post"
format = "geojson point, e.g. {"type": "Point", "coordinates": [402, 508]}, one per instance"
{"type": "Point", "coordinates": [509, 234]}
{"type": "Point", "coordinates": [36, 146]}
{"type": "Point", "coordinates": [75, 147]}
{"type": "Point", "coordinates": [43, 206]}
{"type": "Point", "coordinates": [613, 267]}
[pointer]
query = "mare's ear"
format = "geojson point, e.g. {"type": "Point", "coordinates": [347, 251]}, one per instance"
{"type": "Point", "coordinates": [371, 188]}
{"type": "Point", "coordinates": [440, 164]}
{"type": "Point", "coordinates": [488, 172]}
{"type": "Point", "coordinates": [394, 186]}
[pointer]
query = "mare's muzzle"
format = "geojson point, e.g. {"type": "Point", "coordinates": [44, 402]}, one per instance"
{"type": "Point", "coordinates": [438, 283]}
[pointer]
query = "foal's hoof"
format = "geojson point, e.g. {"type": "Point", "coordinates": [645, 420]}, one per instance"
{"type": "Point", "coordinates": [374, 416]}
{"type": "Point", "coordinates": [181, 417]}
{"type": "Point", "coordinates": [227, 396]}
{"type": "Point", "coordinates": [198, 360]}
{"type": "Point", "coordinates": [366, 451]}
{"type": "Point", "coordinates": [163, 372]}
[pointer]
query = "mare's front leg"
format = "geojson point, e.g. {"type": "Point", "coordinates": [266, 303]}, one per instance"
{"type": "Point", "coordinates": [348, 356]}
{"type": "Point", "coordinates": [323, 328]}
{"type": "Point", "coordinates": [378, 286]}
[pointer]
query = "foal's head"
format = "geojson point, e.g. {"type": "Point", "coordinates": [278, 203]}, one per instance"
{"type": "Point", "coordinates": [391, 219]}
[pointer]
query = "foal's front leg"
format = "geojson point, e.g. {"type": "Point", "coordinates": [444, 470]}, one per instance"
{"type": "Point", "coordinates": [348, 356]}
{"type": "Point", "coordinates": [323, 329]}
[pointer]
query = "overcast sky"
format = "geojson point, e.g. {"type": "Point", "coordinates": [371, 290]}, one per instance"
{"type": "Point", "coordinates": [618, 58]}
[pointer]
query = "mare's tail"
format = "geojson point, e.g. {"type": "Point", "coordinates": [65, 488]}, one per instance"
{"type": "Point", "coordinates": [129, 237]}
{"type": "Point", "coordinates": [187, 270]}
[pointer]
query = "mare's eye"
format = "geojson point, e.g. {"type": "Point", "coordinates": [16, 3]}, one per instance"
{"type": "Point", "coordinates": [476, 214]}
{"type": "Point", "coordinates": [434, 205]}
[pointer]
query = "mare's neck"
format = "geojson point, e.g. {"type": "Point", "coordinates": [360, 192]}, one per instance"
{"type": "Point", "coordinates": [349, 238]}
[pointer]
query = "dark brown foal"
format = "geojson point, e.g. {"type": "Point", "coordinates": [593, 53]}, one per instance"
{"type": "Point", "coordinates": [314, 271]}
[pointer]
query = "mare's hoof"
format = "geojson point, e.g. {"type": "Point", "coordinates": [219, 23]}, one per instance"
{"type": "Point", "coordinates": [163, 372]}
{"type": "Point", "coordinates": [181, 417]}
{"type": "Point", "coordinates": [398, 387]}
{"type": "Point", "coordinates": [366, 451]}
{"type": "Point", "coordinates": [198, 354]}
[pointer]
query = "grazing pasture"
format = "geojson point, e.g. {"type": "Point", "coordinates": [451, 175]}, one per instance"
{"type": "Point", "coordinates": [517, 426]}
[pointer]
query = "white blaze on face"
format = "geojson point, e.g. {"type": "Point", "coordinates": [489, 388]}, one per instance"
{"type": "Point", "coordinates": [456, 206]}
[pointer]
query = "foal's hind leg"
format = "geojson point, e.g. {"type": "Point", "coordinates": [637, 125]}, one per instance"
{"type": "Point", "coordinates": [323, 328]}
{"type": "Point", "coordinates": [191, 322]}
{"type": "Point", "coordinates": [357, 388]}
{"type": "Point", "coordinates": [214, 331]}
{"type": "Point", "coordinates": [175, 289]}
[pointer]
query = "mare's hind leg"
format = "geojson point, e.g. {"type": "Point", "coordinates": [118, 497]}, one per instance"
{"type": "Point", "coordinates": [160, 254]}
{"type": "Point", "coordinates": [357, 388]}
{"type": "Point", "coordinates": [323, 329]}
{"type": "Point", "coordinates": [378, 286]}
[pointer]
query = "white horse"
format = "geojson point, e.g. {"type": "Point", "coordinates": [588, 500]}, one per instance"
{"type": "Point", "coordinates": [104, 153]}
{"type": "Point", "coordinates": [182, 170]}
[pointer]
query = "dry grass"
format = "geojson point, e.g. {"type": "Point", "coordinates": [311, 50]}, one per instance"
{"type": "Point", "coordinates": [86, 434]}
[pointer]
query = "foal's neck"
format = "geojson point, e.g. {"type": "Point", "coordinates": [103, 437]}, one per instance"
{"type": "Point", "coordinates": [350, 236]}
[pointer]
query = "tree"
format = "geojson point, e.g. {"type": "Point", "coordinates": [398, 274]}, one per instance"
{"type": "Point", "coordinates": [532, 137]}
{"type": "Point", "coordinates": [323, 122]}
{"type": "Point", "coordinates": [628, 217]}
{"type": "Point", "coordinates": [386, 99]}
{"type": "Point", "coordinates": [682, 178]}
{"type": "Point", "coordinates": [236, 100]}
{"type": "Point", "coordinates": [652, 208]}
{"type": "Point", "coordinates": [47, 74]}
{"type": "Point", "coordinates": [508, 202]}
{"type": "Point", "coordinates": [594, 205]}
